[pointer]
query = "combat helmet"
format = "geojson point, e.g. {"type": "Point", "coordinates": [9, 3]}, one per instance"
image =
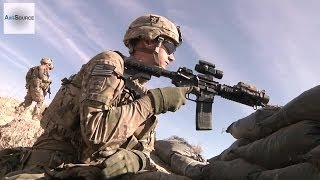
{"type": "Point", "coordinates": [151, 26]}
{"type": "Point", "coordinates": [48, 61]}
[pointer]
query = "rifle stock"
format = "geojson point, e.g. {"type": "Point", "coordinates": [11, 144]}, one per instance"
{"type": "Point", "coordinates": [205, 88]}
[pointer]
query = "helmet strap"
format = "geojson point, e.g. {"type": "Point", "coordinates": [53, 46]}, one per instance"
{"type": "Point", "coordinates": [145, 50]}
{"type": "Point", "coordinates": [156, 51]}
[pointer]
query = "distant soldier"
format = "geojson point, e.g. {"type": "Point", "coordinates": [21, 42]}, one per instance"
{"type": "Point", "coordinates": [37, 85]}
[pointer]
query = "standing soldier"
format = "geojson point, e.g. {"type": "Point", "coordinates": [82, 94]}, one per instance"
{"type": "Point", "coordinates": [102, 121]}
{"type": "Point", "coordinates": [37, 85]}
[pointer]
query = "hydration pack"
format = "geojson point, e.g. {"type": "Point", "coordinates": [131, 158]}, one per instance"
{"type": "Point", "coordinates": [30, 74]}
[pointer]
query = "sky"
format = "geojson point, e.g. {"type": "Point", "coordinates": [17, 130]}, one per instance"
{"type": "Point", "coordinates": [269, 43]}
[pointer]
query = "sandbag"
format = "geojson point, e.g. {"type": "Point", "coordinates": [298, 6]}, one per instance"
{"type": "Point", "coordinates": [304, 106]}
{"type": "Point", "coordinates": [247, 127]}
{"type": "Point", "coordinates": [313, 157]}
{"type": "Point", "coordinates": [237, 169]}
{"type": "Point", "coordinates": [228, 155]}
{"type": "Point", "coordinates": [155, 175]}
{"type": "Point", "coordinates": [215, 158]}
{"type": "Point", "coordinates": [186, 166]}
{"type": "Point", "coordinates": [294, 172]}
{"type": "Point", "coordinates": [166, 148]}
{"type": "Point", "coordinates": [278, 149]}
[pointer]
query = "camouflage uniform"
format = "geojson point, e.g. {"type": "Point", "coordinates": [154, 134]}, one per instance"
{"type": "Point", "coordinates": [99, 95]}
{"type": "Point", "coordinates": [37, 88]}
{"type": "Point", "coordinates": [95, 113]}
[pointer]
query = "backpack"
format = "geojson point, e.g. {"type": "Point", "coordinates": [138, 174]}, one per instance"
{"type": "Point", "coordinates": [29, 74]}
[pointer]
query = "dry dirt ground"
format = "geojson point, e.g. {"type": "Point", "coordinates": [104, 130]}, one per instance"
{"type": "Point", "coordinates": [16, 130]}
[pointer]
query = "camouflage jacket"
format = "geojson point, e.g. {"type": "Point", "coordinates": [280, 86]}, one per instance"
{"type": "Point", "coordinates": [95, 113]}
{"type": "Point", "coordinates": [39, 77]}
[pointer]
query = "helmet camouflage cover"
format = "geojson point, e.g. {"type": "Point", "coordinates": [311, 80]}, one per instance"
{"type": "Point", "coordinates": [46, 61]}
{"type": "Point", "coordinates": [150, 27]}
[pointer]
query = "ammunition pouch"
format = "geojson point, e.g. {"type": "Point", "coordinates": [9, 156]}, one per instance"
{"type": "Point", "coordinates": [60, 130]}
{"type": "Point", "coordinates": [48, 158]}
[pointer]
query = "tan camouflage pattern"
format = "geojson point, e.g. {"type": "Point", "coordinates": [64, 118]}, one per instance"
{"type": "Point", "coordinates": [93, 114]}
{"type": "Point", "coordinates": [150, 27]}
{"type": "Point", "coordinates": [37, 89]}
{"type": "Point", "coordinates": [129, 120]}
{"type": "Point", "coordinates": [46, 60]}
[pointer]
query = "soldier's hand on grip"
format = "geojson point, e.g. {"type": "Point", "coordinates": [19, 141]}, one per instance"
{"type": "Point", "coordinates": [122, 162]}
{"type": "Point", "coordinates": [168, 98]}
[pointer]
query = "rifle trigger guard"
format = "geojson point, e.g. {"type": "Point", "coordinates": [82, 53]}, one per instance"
{"type": "Point", "coordinates": [188, 97]}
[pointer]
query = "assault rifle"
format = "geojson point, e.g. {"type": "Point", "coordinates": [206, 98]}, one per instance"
{"type": "Point", "coordinates": [49, 91]}
{"type": "Point", "coordinates": [205, 88]}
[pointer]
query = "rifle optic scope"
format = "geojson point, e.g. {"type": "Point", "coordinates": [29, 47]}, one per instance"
{"type": "Point", "coordinates": [205, 67]}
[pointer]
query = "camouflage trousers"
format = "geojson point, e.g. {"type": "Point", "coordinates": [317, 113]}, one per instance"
{"type": "Point", "coordinates": [36, 94]}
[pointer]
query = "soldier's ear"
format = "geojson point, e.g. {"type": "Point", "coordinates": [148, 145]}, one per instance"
{"type": "Point", "coordinates": [148, 43]}
{"type": "Point", "coordinates": [144, 43]}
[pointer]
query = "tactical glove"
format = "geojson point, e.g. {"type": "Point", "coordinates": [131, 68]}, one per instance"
{"type": "Point", "coordinates": [168, 98]}
{"type": "Point", "coordinates": [123, 162]}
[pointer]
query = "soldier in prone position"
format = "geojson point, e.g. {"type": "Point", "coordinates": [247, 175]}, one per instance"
{"type": "Point", "coordinates": [37, 84]}
{"type": "Point", "coordinates": [101, 121]}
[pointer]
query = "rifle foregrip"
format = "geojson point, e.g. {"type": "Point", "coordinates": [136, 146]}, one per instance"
{"type": "Point", "coordinates": [250, 98]}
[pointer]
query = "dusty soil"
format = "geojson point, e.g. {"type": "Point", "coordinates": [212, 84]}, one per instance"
{"type": "Point", "coordinates": [16, 129]}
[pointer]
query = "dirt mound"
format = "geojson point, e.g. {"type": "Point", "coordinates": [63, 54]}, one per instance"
{"type": "Point", "coordinates": [7, 110]}
{"type": "Point", "coordinates": [16, 129]}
